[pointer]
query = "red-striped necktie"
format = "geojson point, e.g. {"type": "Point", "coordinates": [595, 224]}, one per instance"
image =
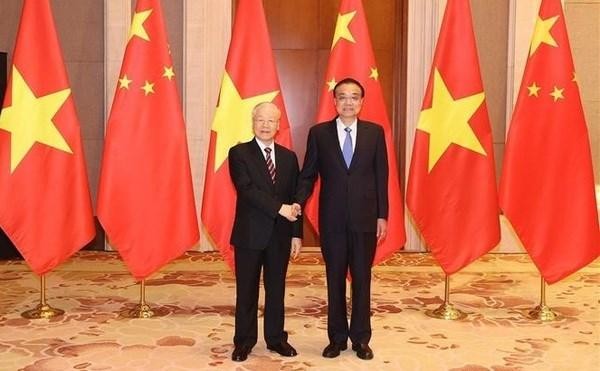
{"type": "Point", "coordinates": [270, 164]}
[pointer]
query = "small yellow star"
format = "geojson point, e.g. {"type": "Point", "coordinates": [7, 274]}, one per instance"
{"type": "Point", "coordinates": [557, 94]}
{"type": "Point", "coordinates": [533, 90]}
{"type": "Point", "coordinates": [124, 82]}
{"type": "Point", "coordinates": [374, 74]}
{"type": "Point", "coordinates": [541, 33]}
{"type": "Point", "coordinates": [137, 25]}
{"type": "Point", "coordinates": [341, 28]}
{"type": "Point", "coordinates": [331, 84]}
{"type": "Point", "coordinates": [168, 72]}
{"type": "Point", "coordinates": [148, 88]}
{"type": "Point", "coordinates": [574, 79]}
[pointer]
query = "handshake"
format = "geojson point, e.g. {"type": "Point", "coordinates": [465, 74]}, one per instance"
{"type": "Point", "coordinates": [290, 212]}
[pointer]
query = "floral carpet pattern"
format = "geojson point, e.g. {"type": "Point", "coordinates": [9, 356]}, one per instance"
{"type": "Point", "coordinates": [195, 295]}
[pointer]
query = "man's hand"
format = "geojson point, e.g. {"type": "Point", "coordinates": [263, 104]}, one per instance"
{"type": "Point", "coordinates": [288, 212]}
{"type": "Point", "coordinates": [296, 247]}
{"type": "Point", "coordinates": [381, 229]}
{"type": "Point", "coordinates": [297, 208]}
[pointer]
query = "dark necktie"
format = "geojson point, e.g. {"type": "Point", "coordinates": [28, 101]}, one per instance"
{"type": "Point", "coordinates": [270, 164]}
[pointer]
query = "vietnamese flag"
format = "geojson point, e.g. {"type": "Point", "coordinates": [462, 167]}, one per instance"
{"type": "Point", "coordinates": [547, 185]}
{"type": "Point", "coordinates": [145, 197]}
{"type": "Point", "coordinates": [46, 208]}
{"type": "Point", "coordinates": [250, 78]}
{"type": "Point", "coordinates": [352, 56]}
{"type": "Point", "coordinates": [451, 185]}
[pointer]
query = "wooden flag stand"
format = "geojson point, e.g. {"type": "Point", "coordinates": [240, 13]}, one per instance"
{"type": "Point", "coordinates": [543, 312]}
{"type": "Point", "coordinates": [43, 309]}
{"type": "Point", "coordinates": [446, 310]}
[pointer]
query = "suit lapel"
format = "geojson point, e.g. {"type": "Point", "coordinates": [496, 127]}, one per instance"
{"type": "Point", "coordinates": [361, 137]}
{"type": "Point", "coordinates": [261, 164]}
{"type": "Point", "coordinates": [335, 141]}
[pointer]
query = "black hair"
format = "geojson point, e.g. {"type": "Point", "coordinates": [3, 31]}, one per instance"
{"type": "Point", "coordinates": [350, 80]}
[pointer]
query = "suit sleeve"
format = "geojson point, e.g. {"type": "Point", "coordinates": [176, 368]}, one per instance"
{"type": "Point", "coordinates": [308, 175]}
{"type": "Point", "coordinates": [246, 189]}
{"type": "Point", "coordinates": [382, 172]}
{"type": "Point", "coordinates": [297, 230]}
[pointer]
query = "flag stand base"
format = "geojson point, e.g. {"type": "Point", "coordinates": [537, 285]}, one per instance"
{"type": "Point", "coordinates": [142, 310]}
{"type": "Point", "coordinates": [43, 309]}
{"type": "Point", "coordinates": [446, 310]}
{"type": "Point", "coordinates": [543, 312]}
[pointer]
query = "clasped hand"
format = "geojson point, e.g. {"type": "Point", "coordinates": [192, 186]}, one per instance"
{"type": "Point", "coordinates": [290, 212]}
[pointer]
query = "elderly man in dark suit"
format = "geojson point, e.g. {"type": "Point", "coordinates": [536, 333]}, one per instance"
{"type": "Point", "coordinates": [266, 231]}
{"type": "Point", "coordinates": [350, 157]}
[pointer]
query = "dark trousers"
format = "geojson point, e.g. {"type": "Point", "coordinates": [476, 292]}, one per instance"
{"type": "Point", "coordinates": [248, 263]}
{"type": "Point", "coordinates": [354, 252]}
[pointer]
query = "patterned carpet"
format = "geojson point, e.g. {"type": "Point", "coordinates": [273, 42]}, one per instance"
{"type": "Point", "coordinates": [196, 294]}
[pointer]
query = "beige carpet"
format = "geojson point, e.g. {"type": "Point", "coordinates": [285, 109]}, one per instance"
{"type": "Point", "coordinates": [196, 293]}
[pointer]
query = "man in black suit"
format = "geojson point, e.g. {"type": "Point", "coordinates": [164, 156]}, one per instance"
{"type": "Point", "coordinates": [266, 231]}
{"type": "Point", "coordinates": [350, 157]}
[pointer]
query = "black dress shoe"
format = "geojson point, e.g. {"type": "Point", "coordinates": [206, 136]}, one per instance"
{"type": "Point", "coordinates": [283, 348]}
{"type": "Point", "coordinates": [240, 353]}
{"type": "Point", "coordinates": [333, 349]}
{"type": "Point", "coordinates": [363, 351]}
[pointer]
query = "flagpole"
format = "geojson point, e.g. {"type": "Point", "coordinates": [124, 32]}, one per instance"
{"type": "Point", "coordinates": [43, 309]}
{"type": "Point", "coordinates": [543, 312]}
{"type": "Point", "coordinates": [142, 310]}
{"type": "Point", "coordinates": [446, 310]}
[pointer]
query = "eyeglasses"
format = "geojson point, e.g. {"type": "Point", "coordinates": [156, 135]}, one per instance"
{"type": "Point", "coordinates": [351, 98]}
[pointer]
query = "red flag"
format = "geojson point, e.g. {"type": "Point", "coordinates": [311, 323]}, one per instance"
{"type": "Point", "coordinates": [352, 56]}
{"type": "Point", "coordinates": [46, 208]}
{"type": "Point", "coordinates": [451, 187]}
{"type": "Point", "coordinates": [145, 197]}
{"type": "Point", "coordinates": [250, 78]}
{"type": "Point", "coordinates": [547, 185]}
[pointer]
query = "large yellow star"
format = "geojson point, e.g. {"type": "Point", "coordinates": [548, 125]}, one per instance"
{"type": "Point", "coordinates": [137, 25]}
{"type": "Point", "coordinates": [447, 121]}
{"type": "Point", "coordinates": [233, 118]}
{"type": "Point", "coordinates": [29, 119]}
{"type": "Point", "coordinates": [341, 28]}
{"type": "Point", "coordinates": [541, 33]}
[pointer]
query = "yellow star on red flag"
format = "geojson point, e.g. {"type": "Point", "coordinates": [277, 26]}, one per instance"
{"type": "Point", "coordinates": [29, 119]}
{"type": "Point", "coordinates": [233, 118]}
{"type": "Point", "coordinates": [341, 28]}
{"type": "Point", "coordinates": [447, 121]}
{"type": "Point", "coordinates": [541, 33]}
{"type": "Point", "coordinates": [137, 25]}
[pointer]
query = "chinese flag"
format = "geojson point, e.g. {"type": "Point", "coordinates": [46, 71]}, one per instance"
{"type": "Point", "coordinates": [352, 56]}
{"type": "Point", "coordinates": [250, 78]}
{"type": "Point", "coordinates": [547, 185]}
{"type": "Point", "coordinates": [46, 208]}
{"type": "Point", "coordinates": [451, 186]}
{"type": "Point", "coordinates": [145, 199]}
